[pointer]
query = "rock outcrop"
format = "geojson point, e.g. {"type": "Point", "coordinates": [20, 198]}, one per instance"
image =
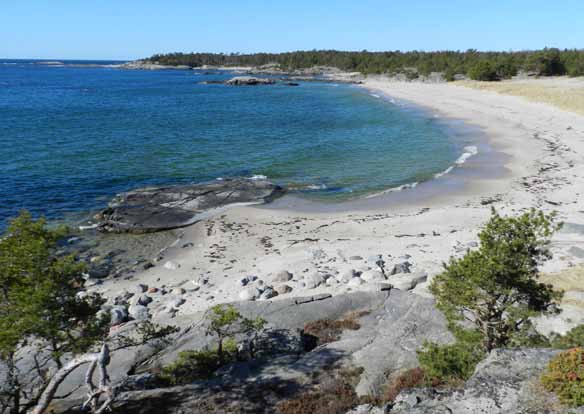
{"type": "Point", "coordinates": [393, 325]}
{"type": "Point", "coordinates": [162, 208]}
{"type": "Point", "coordinates": [249, 80]}
{"type": "Point", "coordinates": [505, 382]}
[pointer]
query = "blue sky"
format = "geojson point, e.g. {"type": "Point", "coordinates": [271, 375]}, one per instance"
{"type": "Point", "coordinates": [128, 29]}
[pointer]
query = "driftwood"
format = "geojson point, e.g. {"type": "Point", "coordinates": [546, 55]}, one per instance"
{"type": "Point", "coordinates": [95, 360]}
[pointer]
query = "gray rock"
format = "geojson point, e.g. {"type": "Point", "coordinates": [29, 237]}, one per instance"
{"type": "Point", "coordinates": [348, 275]}
{"type": "Point", "coordinates": [401, 267]}
{"type": "Point", "coordinates": [247, 280]}
{"type": "Point", "coordinates": [373, 276]}
{"type": "Point", "coordinates": [119, 315]}
{"type": "Point", "coordinates": [268, 293]}
{"type": "Point", "coordinates": [170, 265]}
{"type": "Point", "coordinates": [249, 293]}
{"type": "Point", "coordinates": [283, 277]}
{"type": "Point", "coordinates": [313, 281]}
{"type": "Point", "coordinates": [144, 300]}
{"type": "Point", "coordinates": [176, 302]}
{"type": "Point", "coordinates": [162, 208]}
{"type": "Point", "coordinates": [138, 312]}
{"type": "Point", "coordinates": [283, 289]}
{"type": "Point", "coordinates": [503, 383]}
{"type": "Point", "coordinates": [407, 281]}
{"type": "Point", "coordinates": [396, 325]}
{"type": "Point", "coordinates": [356, 281]}
{"type": "Point", "coordinates": [355, 257]}
{"type": "Point", "coordinates": [249, 80]}
{"type": "Point", "coordinates": [368, 409]}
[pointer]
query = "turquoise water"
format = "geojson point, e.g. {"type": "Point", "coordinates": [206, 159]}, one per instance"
{"type": "Point", "coordinates": [72, 137]}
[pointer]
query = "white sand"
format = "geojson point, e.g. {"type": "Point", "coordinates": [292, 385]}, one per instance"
{"type": "Point", "coordinates": [545, 169]}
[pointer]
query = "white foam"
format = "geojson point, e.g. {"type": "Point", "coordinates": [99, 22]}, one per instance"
{"type": "Point", "coordinates": [258, 177]}
{"type": "Point", "coordinates": [91, 226]}
{"type": "Point", "coordinates": [316, 187]}
{"type": "Point", "coordinates": [468, 152]}
{"type": "Point", "coordinates": [374, 95]}
{"type": "Point", "coordinates": [394, 189]}
{"type": "Point", "coordinates": [446, 171]}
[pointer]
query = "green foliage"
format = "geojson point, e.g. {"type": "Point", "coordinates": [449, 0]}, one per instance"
{"type": "Point", "coordinates": [547, 62]}
{"type": "Point", "coordinates": [198, 365]}
{"type": "Point", "coordinates": [495, 287]}
{"type": "Point", "coordinates": [565, 377]}
{"type": "Point", "coordinates": [483, 71]}
{"type": "Point", "coordinates": [449, 364]}
{"type": "Point", "coordinates": [573, 339]}
{"type": "Point", "coordinates": [453, 363]}
{"type": "Point", "coordinates": [226, 322]}
{"type": "Point", "coordinates": [39, 297]}
{"type": "Point", "coordinates": [503, 64]}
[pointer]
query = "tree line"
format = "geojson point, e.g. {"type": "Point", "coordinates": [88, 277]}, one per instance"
{"type": "Point", "coordinates": [472, 63]}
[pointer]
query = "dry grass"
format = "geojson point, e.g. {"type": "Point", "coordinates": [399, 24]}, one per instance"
{"type": "Point", "coordinates": [568, 280]}
{"type": "Point", "coordinates": [411, 378]}
{"type": "Point", "coordinates": [325, 331]}
{"type": "Point", "coordinates": [334, 393]}
{"type": "Point", "coordinates": [564, 93]}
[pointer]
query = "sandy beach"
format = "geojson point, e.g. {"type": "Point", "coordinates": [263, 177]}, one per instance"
{"type": "Point", "coordinates": [540, 163]}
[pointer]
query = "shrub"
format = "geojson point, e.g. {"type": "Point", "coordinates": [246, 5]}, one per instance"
{"type": "Point", "coordinates": [198, 365]}
{"type": "Point", "coordinates": [191, 366]}
{"type": "Point", "coordinates": [449, 364]}
{"type": "Point", "coordinates": [573, 339]}
{"type": "Point", "coordinates": [565, 377]}
{"type": "Point", "coordinates": [547, 62]}
{"type": "Point", "coordinates": [496, 287]}
{"type": "Point", "coordinates": [411, 378]}
{"type": "Point", "coordinates": [483, 71]}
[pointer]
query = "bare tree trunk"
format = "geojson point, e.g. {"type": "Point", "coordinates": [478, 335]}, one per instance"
{"type": "Point", "coordinates": [46, 397]}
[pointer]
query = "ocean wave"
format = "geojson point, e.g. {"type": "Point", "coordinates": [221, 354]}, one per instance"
{"type": "Point", "coordinates": [394, 189]}
{"type": "Point", "coordinates": [469, 151]}
{"type": "Point", "coordinates": [374, 95]}
{"type": "Point", "coordinates": [258, 177]}
{"type": "Point", "coordinates": [306, 187]}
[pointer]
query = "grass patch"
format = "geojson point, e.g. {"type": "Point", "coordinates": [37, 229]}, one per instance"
{"type": "Point", "coordinates": [324, 331]}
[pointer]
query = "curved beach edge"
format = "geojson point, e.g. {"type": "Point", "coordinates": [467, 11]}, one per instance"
{"type": "Point", "coordinates": [544, 168]}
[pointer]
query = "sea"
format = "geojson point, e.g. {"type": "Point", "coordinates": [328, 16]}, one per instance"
{"type": "Point", "coordinates": [75, 133]}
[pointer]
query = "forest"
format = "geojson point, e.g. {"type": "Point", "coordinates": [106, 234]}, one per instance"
{"type": "Point", "coordinates": [472, 63]}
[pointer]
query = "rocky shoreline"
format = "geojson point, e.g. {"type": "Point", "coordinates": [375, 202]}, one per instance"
{"type": "Point", "coordinates": [371, 266]}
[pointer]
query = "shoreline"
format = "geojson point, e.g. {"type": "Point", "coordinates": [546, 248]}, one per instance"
{"type": "Point", "coordinates": [545, 163]}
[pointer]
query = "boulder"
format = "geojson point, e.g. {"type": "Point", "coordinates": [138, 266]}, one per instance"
{"type": "Point", "coordinates": [282, 289]}
{"type": "Point", "coordinates": [138, 312]}
{"type": "Point", "coordinates": [250, 293]}
{"type": "Point", "coordinates": [348, 275]}
{"type": "Point", "coordinates": [313, 281]}
{"type": "Point", "coordinates": [144, 300]}
{"type": "Point", "coordinates": [407, 281]}
{"type": "Point", "coordinates": [401, 267]}
{"type": "Point", "coordinates": [268, 293]}
{"type": "Point", "coordinates": [162, 208]}
{"type": "Point", "coordinates": [283, 277]}
{"type": "Point", "coordinates": [373, 276]}
{"type": "Point", "coordinates": [119, 315]}
{"type": "Point", "coordinates": [505, 382]}
{"type": "Point", "coordinates": [249, 80]}
{"type": "Point", "coordinates": [356, 281]}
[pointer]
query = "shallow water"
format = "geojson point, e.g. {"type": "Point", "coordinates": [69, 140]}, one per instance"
{"type": "Point", "coordinates": [72, 137]}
